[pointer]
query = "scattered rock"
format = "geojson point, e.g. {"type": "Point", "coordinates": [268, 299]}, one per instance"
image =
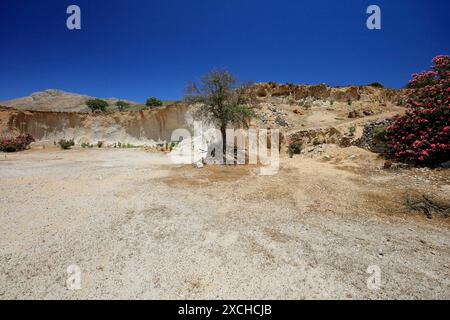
{"type": "Point", "coordinates": [387, 164]}
{"type": "Point", "coordinates": [281, 121]}
{"type": "Point", "coordinates": [354, 114]}
{"type": "Point", "coordinates": [198, 165]}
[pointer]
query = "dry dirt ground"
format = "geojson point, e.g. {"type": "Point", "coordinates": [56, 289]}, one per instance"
{"type": "Point", "coordinates": [139, 227]}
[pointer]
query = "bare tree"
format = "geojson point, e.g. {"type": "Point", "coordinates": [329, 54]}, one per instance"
{"type": "Point", "coordinates": [222, 101]}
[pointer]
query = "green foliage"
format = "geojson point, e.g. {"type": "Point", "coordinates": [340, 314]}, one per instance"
{"type": "Point", "coordinates": [125, 145]}
{"type": "Point", "coordinates": [87, 145]}
{"type": "Point", "coordinates": [295, 148]}
{"type": "Point", "coordinates": [316, 141]}
{"type": "Point", "coordinates": [153, 102]}
{"type": "Point", "coordinates": [66, 144]}
{"type": "Point", "coordinates": [352, 130]}
{"type": "Point", "coordinates": [295, 144]}
{"type": "Point", "coordinates": [380, 133]}
{"type": "Point", "coordinates": [97, 105]}
{"type": "Point", "coordinates": [376, 85]}
{"type": "Point", "coordinates": [349, 102]}
{"type": "Point", "coordinates": [122, 105]}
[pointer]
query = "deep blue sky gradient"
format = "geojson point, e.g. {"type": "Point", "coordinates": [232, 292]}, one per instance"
{"type": "Point", "coordinates": [134, 49]}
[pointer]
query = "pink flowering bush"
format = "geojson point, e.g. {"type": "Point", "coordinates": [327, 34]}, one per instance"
{"type": "Point", "coordinates": [422, 136]}
{"type": "Point", "coordinates": [17, 143]}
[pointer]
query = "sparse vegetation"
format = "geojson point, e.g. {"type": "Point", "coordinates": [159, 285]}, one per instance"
{"type": "Point", "coordinates": [66, 144]}
{"type": "Point", "coordinates": [349, 102]}
{"type": "Point", "coordinates": [295, 144]}
{"type": "Point", "coordinates": [376, 85]}
{"type": "Point", "coordinates": [352, 130]}
{"type": "Point", "coordinates": [122, 105]}
{"type": "Point", "coordinates": [99, 144]}
{"type": "Point", "coordinates": [153, 102]}
{"type": "Point", "coordinates": [97, 105]}
{"type": "Point", "coordinates": [316, 141]}
{"type": "Point", "coordinates": [380, 133]}
{"type": "Point", "coordinates": [87, 145]}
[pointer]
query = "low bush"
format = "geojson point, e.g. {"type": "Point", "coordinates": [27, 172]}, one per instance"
{"type": "Point", "coordinates": [122, 105]}
{"type": "Point", "coordinates": [380, 133]}
{"type": "Point", "coordinates": [153, 102]}
{"type": "Point", "coordinates": [376, 85]}
{"type": "Point", "coordinates": [66, 144]}
{"type": "Point", "coordinates": [17, 143]}
{"type": "Point", "coordinates": [295, 144]}
{"type": "Point", "coordinates": [97, 104]}
{"type": "Point", "coordinates": [352, 130]}
{"type": "Point", "coordinates": [87, 145]}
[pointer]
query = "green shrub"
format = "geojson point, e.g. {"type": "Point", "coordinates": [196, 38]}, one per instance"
{"type": "Point", "coordinates": [122, 105]}
{"type": "Point", "coordinates": [87, 145]}
{"type": "Point", "coordinates": [66, 144]}
{"type": "Point", "coordinates": [352, 130]}
{"type": "Point", "coordinates": [349, 102]}
{"type": "Point", "coordinates": [153, 102]}
{"type": "Point", "coordinates": [316, 141]}
{"type": "Point", "coordinates": [380, 133]}
{"type": "Point", "coordinates": [295, 144]}
{"type": "Point", "coordinates": [295, 148]}
{"type": "Point", "coordinates": [100, 144]}
{"type": "Point", "coordinates": [376, 85]}
{"type": "Point", "coordinates": [97, 104]}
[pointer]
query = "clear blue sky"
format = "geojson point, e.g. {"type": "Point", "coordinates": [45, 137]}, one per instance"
{"type": "Point", "coordinates": [134, 49]}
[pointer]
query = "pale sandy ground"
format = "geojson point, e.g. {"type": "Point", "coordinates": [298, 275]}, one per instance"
{"type": "Point", "coordinates": [139, 227]}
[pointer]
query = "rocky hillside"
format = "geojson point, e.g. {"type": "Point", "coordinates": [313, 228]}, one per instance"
{"type": "Point", "coordinates": [322, 113]}
{"type": "Point", "coordinates": [56, 100]}
{"type": "Point", "coordinates": [305, 93]}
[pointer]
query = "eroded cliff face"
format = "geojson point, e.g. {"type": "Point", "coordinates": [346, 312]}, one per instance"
{"type": "Point", "coordinates": [144, 127]}
{"type": "Point", "coordinates": [324, 92]}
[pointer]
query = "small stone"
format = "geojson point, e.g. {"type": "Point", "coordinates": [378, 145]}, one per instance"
{"type": "Point", "coordinates": [387, 165]}
{"type": "Point", "coordinates": [198, 165]}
